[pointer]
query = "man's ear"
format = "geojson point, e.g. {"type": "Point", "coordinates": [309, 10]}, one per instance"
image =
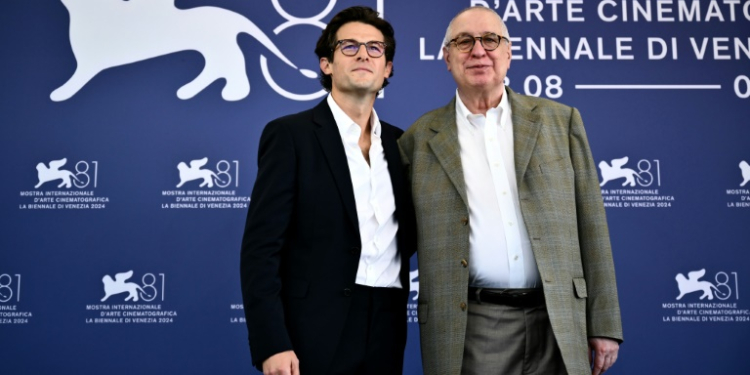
{"type": "Point", "coordinates": [325, 66]}
{"type": "Point", "coordinates": [510, 53]}
{"type": "Point", "coordinates": [388, 68]}
{"type": "Point", "coordinates": [446, 53]}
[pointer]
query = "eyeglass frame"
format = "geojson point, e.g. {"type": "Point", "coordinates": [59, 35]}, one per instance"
{"type": "Point", "coordinates": [359, 44]}
{"type": "Point", "coordinates": [474, 41]}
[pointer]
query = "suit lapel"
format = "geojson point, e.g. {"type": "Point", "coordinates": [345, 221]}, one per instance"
{"type": "Point", "coordinates": [446, 148]}
{"type": "Point", "coordinates": [393, 158]}
{"type": "Point", "coordinates": [329, 138]}
{"type": "Point", "coordinates": [526, 126]}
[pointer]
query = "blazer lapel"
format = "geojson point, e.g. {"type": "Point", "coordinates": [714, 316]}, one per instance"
{"type": "Point", "coordinates": [526, 126]}
{"type": "Point", "coordinates": [330, 142]}
{"type": "Point", "coordinates": [446, 148]}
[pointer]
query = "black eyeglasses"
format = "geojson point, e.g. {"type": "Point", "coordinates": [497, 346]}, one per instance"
{"type": "Point", "coordinates": [350, 47]}
{"type": "Point", "coordinates": [489, 41]}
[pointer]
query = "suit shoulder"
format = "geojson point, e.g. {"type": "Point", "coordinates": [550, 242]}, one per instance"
{"type": "Point", "coordinates": [428, 118]}
{"type": "Point", "coordinates": [543, 104]}
{"type": "Point", "coordinates": [391, 128]}
{"type": "Point", "coordinates": [292, 121]}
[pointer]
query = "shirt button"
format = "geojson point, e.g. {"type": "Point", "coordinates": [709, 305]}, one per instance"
{"type": "Point", "coordinates": [462, 305]}
{"type": "Point", "coordinates": [347, 292]}
{"type": "Point", "coordinates": [515, 257]}
{"type": "Point", "coordinates": [510, 223]}
{"type": "Point", "coordinates": [505, 193]}
{"type": "Point", "coordinates": [464, 263]}
{"type": "Point", "coordinates": [354, 250]}
{"type": "Point", "coordinates": [465, 220]}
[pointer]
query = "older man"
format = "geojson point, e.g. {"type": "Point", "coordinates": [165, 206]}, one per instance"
{"type": "Point", "coordinates": [515, 265]}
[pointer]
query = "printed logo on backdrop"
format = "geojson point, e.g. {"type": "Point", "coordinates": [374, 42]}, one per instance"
{"type": "Point", "coordinates": [740, 198]}
{"type": "Point", "coordinates": [204, 185]}
{"type": "Point", "coordinates": [700, 298]}
{"type": "Point", "coordinates": [63, 186]}
{"type": "Point", "coordinates": [411, 305]}
{"type": "Point", "coordinates": [636, 186]}
{"type": "Point", "coordinates": [131, 300]}
{"type": "Point", "coordinates": [10, 300]}
{"type": "Point", "coordinates": [107, 34]}
{"type": "Point", "coordinates": [237, 313]}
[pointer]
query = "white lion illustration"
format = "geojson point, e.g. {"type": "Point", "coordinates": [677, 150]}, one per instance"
{"type": "Point", "coordinates": [616, 171]}
{"type": "Point", "coordinates": [414, 283]}
{"type": "Point", "coordinates": [109, 33]}
{"type": "Point", "coordinates": [118, 285]}
{"type": "Point", "coordinates": [55, 173]}
{"type": "Point", "coordinates": [692, 284]}
{"type": "Point", "coordinates": [745, 168]}
{"type": "Point", "coordinates": [194, 172]}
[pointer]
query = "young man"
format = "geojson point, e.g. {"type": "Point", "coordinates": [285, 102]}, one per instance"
{"type": "Point", "coordinates": [329, 231]}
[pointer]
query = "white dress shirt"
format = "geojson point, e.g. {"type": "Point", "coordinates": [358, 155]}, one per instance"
{"type": "Point", "coordinates": [379, 262]}
{"type": "Point", "coordinates": [499, 246]}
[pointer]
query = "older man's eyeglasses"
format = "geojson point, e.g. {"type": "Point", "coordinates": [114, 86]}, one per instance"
{"type": "Point", "coordinates": [350, 47]}
{"type": "Point", "coordinates": [489, 41]}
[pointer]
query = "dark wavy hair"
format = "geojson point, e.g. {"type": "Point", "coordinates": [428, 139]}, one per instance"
{"type": "Point", "coordinates": [327, 40]}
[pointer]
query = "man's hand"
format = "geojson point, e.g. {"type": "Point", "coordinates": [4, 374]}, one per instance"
{"type": "Point", "coordinates": [604, 353]}
{"type": "Point", "coordinates": [284, 363]}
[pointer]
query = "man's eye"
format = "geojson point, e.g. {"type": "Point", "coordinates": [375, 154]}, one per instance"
{"type": "Point", "coordinates": [465, 42]}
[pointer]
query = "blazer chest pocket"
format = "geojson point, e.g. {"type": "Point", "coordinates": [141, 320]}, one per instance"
{"type": "Point", "coordinates": [556, 166]}
{"type": "Point", "coordinates": [296, 288]}
{"type": "Point", "coordinates": [579, 285]}
{"type": "Point", "coordinates": [423, 311]}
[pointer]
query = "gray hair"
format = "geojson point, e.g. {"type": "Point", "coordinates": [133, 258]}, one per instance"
{"type": "Point", "coordinates": [449, 31]}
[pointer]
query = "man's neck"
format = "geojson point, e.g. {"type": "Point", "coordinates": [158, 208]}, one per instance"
{"type": "Point", "coordinates": [479, 102]}
{"type": "Point", "coordinates": [358, 108]}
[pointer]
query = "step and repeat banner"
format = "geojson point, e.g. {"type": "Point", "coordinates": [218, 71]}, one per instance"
{"type": "Point", "coordinates": [129, 143]}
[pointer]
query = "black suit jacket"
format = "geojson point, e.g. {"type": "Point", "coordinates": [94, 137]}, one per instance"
{"type": "Point", "coordinates": [301, 246]}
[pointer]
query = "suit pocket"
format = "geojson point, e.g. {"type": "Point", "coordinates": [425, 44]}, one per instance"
{"type": "Point", "coordinates": [579, 284]}
{"type": "Point", "coordinates": [423, 311]}
{"type": "Point", "coordinates": [296, 288]}
{"type": "Point", "coordinates": [554, 166]}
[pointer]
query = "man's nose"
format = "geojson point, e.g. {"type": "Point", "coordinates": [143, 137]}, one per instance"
{"type": "Point", "coordinates": [362, 52]}
{"type": "Point", "coordinates": [478, 49]}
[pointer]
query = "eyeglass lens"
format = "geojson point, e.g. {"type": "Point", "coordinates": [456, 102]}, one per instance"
{"type": "Point", "coordinates": [351, 47]}
{"type": "Point", "coordinates": [489, 42]}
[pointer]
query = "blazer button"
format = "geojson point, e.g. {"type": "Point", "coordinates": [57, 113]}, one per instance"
{"type": "Point", "coordinates": [347, 292]}
{"type": "Point", "coordinates": [354, 250]}
{"type": "Point", "coordinates": [462, 306]}
{"type": "Point", "coordinates": [464, 263]}
{"type": "Point", "coordinates": [465, 220]}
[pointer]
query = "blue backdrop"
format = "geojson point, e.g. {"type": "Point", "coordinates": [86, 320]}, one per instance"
{"type": "Point", "coordinates": [128, 165]}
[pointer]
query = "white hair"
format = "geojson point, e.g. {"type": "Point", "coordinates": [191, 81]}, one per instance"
{"type": "Point", "coordinates": [449, 31]}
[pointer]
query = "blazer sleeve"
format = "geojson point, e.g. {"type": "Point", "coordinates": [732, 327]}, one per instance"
{"type": "Point", "coordinates": [268, 219]}
{"type": "Point", "coordinates": [603, 308]}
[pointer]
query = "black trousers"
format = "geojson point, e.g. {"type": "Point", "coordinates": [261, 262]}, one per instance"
{"type": "Point", "coordinates": [374, 334]}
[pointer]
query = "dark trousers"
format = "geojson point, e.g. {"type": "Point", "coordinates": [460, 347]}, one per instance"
{"type": "Point", "coordinates": [374, 334]}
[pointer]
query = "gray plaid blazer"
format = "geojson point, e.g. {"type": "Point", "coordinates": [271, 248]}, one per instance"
{"type": "Point", "coordinates": [561, 205]}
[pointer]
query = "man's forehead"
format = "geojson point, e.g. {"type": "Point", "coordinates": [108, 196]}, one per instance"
{"type": "Point", "coordinates": [355, 28]}
{"type": "Point", "coordinates": [476, 20]}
